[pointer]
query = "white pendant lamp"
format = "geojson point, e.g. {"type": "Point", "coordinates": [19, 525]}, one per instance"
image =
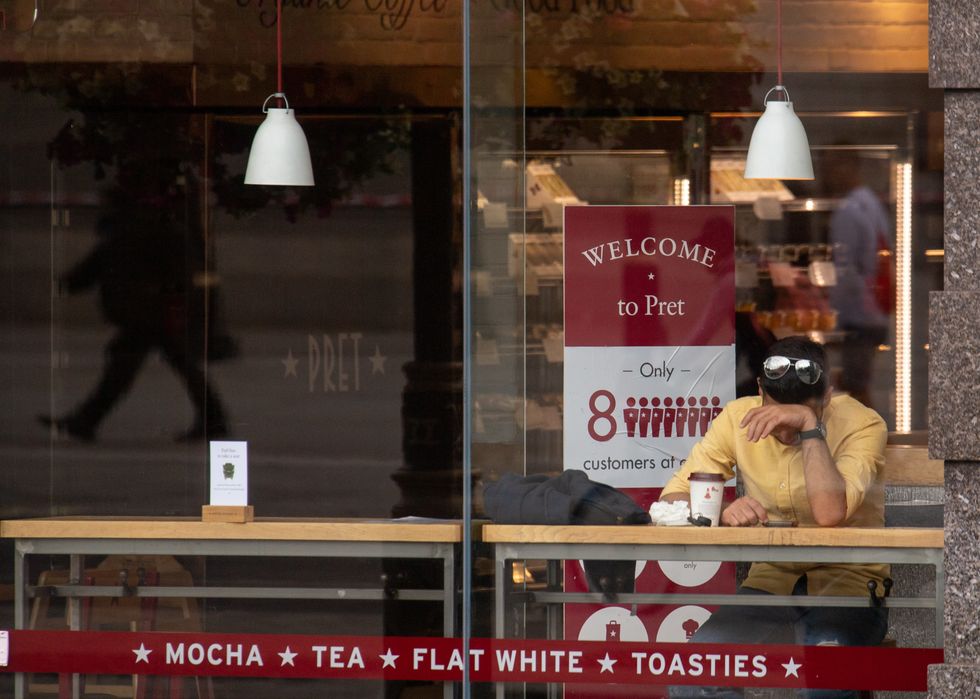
{"type": "Point", "coordinates": [779, 148]}
{"type": "Point", "coordinates": [280, 154]}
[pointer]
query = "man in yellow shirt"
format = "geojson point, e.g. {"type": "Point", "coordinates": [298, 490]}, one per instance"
{"type": "Point", "coordinates": [803, 456]}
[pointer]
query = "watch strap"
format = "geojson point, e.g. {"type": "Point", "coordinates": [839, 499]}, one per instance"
{"type": "Point", "coordinates": [818, 432]}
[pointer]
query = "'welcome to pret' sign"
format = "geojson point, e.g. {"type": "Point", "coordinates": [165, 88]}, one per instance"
{"type": "Point", "coordinates": [649, 336]}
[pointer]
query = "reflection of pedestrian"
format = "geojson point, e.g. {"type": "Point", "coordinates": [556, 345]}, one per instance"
{"type": "Point", "coordinates": [858, 229]}
{"type": "Point", "coordinates": [144, 268]}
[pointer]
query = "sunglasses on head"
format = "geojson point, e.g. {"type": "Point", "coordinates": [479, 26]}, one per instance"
{"type": "Point", "coordinates": [807, 370]}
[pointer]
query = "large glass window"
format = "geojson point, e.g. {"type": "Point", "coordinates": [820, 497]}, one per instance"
{"type": "Point", "coordinates": [153, 304]}
{"type": "Point", "coordinates": [590, 121]}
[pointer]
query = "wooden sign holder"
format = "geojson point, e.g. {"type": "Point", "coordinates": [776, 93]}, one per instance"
{"type": "Point", "coordinates": [228, 513]}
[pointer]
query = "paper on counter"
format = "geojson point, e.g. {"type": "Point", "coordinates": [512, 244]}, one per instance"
{"type": "Point", "coordinates": [670, 514]}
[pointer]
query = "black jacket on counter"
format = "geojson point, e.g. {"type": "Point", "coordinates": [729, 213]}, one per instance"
{"type": "Point", "coordinates": [570, 498]}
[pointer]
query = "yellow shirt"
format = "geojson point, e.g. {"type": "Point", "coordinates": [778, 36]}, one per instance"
{"type": "Point", "coordinates": [772, 473]}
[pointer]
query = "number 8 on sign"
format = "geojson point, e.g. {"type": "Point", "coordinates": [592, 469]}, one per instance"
{"type": "Point", "coordinates": [606, 415]}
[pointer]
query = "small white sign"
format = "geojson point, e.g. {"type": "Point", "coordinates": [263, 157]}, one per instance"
{"type": "Point", "coordinates": [229, 473]}
{"type": "Point", "coordinates": [4, 648]}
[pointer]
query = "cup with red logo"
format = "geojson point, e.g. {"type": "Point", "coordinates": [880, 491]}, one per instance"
{"type": "Point", "coordinates": [707, 490]}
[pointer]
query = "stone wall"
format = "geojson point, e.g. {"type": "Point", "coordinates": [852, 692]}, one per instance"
{"type": "Point", "coordinates": [954, 329]}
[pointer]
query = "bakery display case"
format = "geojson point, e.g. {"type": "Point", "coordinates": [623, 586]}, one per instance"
{"type": "Point", "coordinates": [847, 258]}
{"type": "Point", "coordinates": [518, 278]}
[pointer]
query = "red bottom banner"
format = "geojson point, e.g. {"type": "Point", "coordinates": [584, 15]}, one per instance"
{"type": "Point", "coordinates": [489, 660]}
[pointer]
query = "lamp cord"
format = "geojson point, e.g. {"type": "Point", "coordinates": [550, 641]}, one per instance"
{"type": "Point", "coordinates": [779, 42]}
{"type": "Point", "coordinates": [278, 45]}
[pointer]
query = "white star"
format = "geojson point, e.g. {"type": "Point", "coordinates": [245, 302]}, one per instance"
{"type": "Point", "coordinates": [142, 654]}
{"type": "Point", "coordinates": [389, 659]}
{"type": "Point", "coordinates": [792, 668]}
{"type": "Point", "coordinates": [650, 276]}
{"type": "Point", "coordinates": [607, 664]}
{"type": "Point", "coordinates": [289, 363]}
{"type": "Point", "coordinates": [377, 361]}
{"type": "Point", "coordinates": [287, 657]}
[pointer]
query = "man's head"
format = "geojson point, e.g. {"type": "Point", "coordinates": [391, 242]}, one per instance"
{"type": "Point", "coordinates": [788, 380]}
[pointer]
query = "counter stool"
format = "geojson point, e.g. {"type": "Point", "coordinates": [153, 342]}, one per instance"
{"type": "Point", "coordinates": [124, 613]}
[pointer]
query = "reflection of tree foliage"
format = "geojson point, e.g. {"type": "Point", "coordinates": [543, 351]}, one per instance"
{"type": "Point", "coordinates": [118, 120]}
{"type": "Point", "coordinates": [131, 122]}
{"type": "Point", "coordinates": [345, 154]}
{"type": "Point", "coordinates": [570, 53]}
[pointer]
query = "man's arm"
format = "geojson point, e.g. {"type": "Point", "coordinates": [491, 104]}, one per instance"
{"type": "Point", "coordinates": [824, 484]}
{"type": "Point", "coordinates": [714, 454]}
{"type": "Point", "coordinates": [825, 488]}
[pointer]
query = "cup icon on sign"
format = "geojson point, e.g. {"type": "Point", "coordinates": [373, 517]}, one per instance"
{"type": "Point", "coordinates": [612, 631]}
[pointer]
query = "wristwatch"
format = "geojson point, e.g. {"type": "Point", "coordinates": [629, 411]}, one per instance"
{"type": "Point", "coordinates": [818, 432]}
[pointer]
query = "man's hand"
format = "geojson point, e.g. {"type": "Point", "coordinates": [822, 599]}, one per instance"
{"type": "Point", "coordinates": [786, 420]}
{"type": "Point", "coordinates": [744, 512]}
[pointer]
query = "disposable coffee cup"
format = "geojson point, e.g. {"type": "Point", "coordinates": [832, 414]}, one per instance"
{"type": "Point", "coordinates": [707, 490]}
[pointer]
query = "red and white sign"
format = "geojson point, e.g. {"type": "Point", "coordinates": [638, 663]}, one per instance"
{"type": "Point", "coordinates": [649, 336]}
{"type": "Point", "coordinates": [649, 363]}
{"type": "Point", "coordinates": [612, 659]}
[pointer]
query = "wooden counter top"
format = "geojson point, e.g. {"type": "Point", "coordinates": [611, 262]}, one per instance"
{"type": "Point", "coordinates": [889, 537]}
{"type": "Point", "coordinates": [269, 529]}
{"type": "Point", "coordinates": [450, 531]}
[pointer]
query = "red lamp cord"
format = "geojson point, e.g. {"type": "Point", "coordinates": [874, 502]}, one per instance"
{"type": "Point", "coordinates": [779, 42]}
{"type": "Point", "coordinates": [278, 45]}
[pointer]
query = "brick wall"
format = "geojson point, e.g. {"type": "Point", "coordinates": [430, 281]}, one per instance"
{"type": "Point", "coordinates": [818, 35]}
{"type": "Point", "coordinates": [693, 35]}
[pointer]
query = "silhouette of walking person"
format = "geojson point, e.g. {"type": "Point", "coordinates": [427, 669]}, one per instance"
{"type": "Point", "coordinates": [144, 268]}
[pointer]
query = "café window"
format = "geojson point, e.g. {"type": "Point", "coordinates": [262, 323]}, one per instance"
{"type": "Point", "coordinates": [627, 139]}
{"type": "Point", "coordinates": [531, 258]}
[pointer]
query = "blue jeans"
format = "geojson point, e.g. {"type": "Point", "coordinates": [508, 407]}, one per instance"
{"type": "Point", "coordinates": [808, 626]}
